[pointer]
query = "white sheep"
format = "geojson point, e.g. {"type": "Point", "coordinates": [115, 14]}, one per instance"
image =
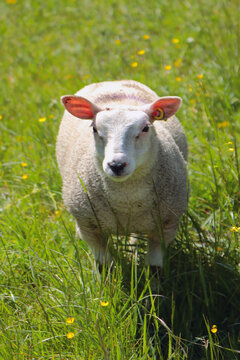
{"type": "Point", "coordinates": [122, 171]}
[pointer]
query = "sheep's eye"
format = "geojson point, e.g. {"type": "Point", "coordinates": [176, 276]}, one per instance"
{"type": "Point", "coordinates": [145, 129]}
{"type": "Point", "coordinates": [94, 130]}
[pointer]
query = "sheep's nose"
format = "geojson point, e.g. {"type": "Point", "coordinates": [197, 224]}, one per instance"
{"type": "Point", "coordinates": [117, 167]}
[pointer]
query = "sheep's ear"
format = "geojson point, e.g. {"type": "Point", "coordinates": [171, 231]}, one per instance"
{"type": "Point", "coordinates": [164, 107]}
{"type": "Point", "coordinates": [79, 106]}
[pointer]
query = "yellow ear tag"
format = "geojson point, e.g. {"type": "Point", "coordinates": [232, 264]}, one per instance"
{"type": "Point", "coordinates": [159, 114]}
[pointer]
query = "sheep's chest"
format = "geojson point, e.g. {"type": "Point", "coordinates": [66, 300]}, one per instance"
{"type": "Point", "coordinates": [129, 210]}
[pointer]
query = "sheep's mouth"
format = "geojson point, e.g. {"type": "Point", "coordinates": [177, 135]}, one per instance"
{"type": "Point", "coordinates": [118, 177]}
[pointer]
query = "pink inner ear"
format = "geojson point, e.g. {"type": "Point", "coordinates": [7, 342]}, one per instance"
{"type": "Point", "coordinates": [78, 107]}
{"type": "Point", "coordinates": [169, 105]}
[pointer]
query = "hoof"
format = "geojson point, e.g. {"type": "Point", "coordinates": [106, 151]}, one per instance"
{"type": "Point", "coordinates": [107, 267]}
{"type": "Point", "coordinates": [155, 270]}
{"type": "Point", "coordinates": [100, 267]}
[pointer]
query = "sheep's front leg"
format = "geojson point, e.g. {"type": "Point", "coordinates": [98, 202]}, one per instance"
{"type": "Point", "coordinates": [154, 257]}
{"type": "Point", "coordinates": [96, 241]}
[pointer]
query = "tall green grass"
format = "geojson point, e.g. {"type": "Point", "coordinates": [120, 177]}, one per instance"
{"type": "Point", "coordinates": [47, 275]}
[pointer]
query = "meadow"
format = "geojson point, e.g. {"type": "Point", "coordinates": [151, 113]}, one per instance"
{"type": "Point", "coordinates": [54, 303]}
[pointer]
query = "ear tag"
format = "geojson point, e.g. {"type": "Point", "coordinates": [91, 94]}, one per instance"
{"type": "Point", "coordinates": [158, 114]}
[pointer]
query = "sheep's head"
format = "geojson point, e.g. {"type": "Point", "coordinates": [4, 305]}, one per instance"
{"type": "Point", "coordinates": [123, 134]}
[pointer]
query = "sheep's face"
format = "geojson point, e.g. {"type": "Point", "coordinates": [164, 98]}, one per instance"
{"type": "Point", "coordinates": [123, 141]}
{"type": "Point", "coordinates": [123, 134]}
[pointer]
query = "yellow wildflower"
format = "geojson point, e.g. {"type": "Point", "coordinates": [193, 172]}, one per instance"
{"type": "Point", "coordinates": [24, 164]}
{"type": "Point", "coordinates": [141, 52]}
{"type": "Point", "coordinates": [178, 78]}
{"type": "Point", "coordinates": [43, 119]}
{"type": "Point", "coordinates": [70, 335]}
{"type": "Point", "coordinates": [146, 37]}
{"type": "Point", "coordinates": [69, 76]}
{"type": "Point", "coordinates": [167, 67]}
{"type": "Point", "coordinates": [229, 143]}
{"type": "Point", "coordinates": [175, 41]}
{"type": "Point", "coordinates": [70, 320]}
{"type": "Point", "coordinates": [0, 117]}
{"type": "Point", "coordinates": [223, 124]}
{"type": "Point", "coordinates": [235, 228]}
{"type": "Point", "coordinates": [104, 303]}
{"type": "Point", "coordinates": [190, 89]}
{"type": "Point", "coordinates": [214, 329]}
{"type": "Point", "coordinates": [24, 176]}
{"type": "Point", "coordinates": [200, 76]}
{"type": "Point", "coordinates": [219, 248]}
{"type": "Point", "coordinates": [178, 62]}
{"type": "Point", "coordinates": [57, 213]}
{"type": "Point", "coordinates": [117, 42]}
{"type": "Point", "coordinates": [11, 1]}
{"type": "Point", "coordinates": [134, 64]}
{"type": "Point", "coordinates": [231, 149]}
{"type": "Point", "coordinates": [51, 116]}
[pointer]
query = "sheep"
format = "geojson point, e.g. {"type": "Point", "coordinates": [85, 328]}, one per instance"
{"type": "Point", "coordinates": [122, 155]}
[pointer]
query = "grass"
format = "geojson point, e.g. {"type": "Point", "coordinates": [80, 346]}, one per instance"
{"type": "Point", "coordinates": [47, 275]}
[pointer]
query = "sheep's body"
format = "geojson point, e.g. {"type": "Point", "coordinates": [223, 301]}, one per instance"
{"type": "Point", "coordinates": [150, 201]}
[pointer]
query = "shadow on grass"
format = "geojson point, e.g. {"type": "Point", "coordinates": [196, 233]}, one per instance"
{"type": "Point", "coordinates": [198, 287]}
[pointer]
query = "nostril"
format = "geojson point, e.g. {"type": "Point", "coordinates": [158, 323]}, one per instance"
{"type": "Point", "coordinates": [117, 167]}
